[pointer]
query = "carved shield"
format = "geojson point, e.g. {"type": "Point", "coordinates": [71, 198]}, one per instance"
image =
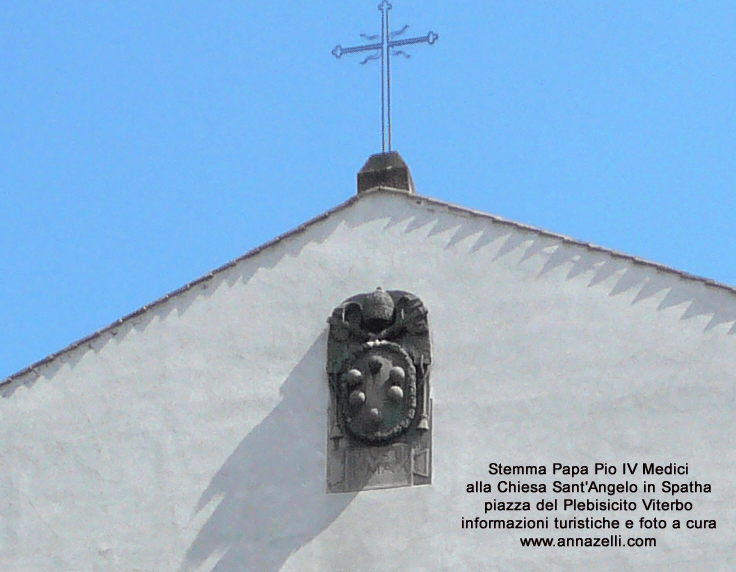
{"type": "Point", "coordinates": [378, 358]}
{"type": "Point", "coordinates": [379, 392]}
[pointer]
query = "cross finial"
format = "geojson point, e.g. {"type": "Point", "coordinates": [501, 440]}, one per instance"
{"type": "Point", "coordinates": [387, 48]}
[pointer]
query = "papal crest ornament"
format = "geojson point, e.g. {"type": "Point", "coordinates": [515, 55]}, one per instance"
{"type": "Point", "coordinates": [378, 358]}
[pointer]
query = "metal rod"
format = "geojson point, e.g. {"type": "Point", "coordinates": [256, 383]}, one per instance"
{"type": "Point", "coordinates": [388, 77]}
{"type": "Point", "coordinates": [384, 67]}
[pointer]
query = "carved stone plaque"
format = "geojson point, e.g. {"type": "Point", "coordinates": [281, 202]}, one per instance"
{"type": "Point", "coordinates": [378, 358]}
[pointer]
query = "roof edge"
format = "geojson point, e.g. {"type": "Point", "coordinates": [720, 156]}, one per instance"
{"type": "Point", "coordinates": [570, 240]}
{"type": "Point", "coordinates": [419, 199]}
{"type": "Point", "coordinates": [117, 323]}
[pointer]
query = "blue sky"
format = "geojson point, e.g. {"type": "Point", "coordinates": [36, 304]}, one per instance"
{"type": "Point", "coordinates": [143, 144]}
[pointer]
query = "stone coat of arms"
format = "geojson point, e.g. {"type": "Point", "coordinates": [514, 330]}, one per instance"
{"type": "Point", "coordinates": [378, 358]}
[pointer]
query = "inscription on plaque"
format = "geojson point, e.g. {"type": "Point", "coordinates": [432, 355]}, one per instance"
{"type": "Point", "coordinates": [379, 467]}
{"type": "Point", "coordinates": [378, 358]}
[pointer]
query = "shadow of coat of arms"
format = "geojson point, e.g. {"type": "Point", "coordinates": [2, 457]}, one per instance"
{"type": "Point", "coordinates": [378, 358]}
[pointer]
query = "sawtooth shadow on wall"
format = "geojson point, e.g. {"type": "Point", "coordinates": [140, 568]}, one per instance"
{"type": "Point", "coordinates": [272, 487]}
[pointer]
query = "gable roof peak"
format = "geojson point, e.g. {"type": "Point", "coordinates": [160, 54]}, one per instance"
{"type": "Point", "coordinates": [385, 170]}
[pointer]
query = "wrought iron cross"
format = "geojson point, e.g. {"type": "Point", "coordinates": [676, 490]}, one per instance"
{"type": "Point", "coordinates": [387, 48]}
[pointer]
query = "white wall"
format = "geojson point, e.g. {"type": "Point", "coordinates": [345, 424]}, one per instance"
{"type": "Point", "coordinates": [194, 437]}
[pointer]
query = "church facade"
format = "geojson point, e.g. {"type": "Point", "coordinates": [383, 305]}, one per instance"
{"type": "Point", "coordinates": [559, 388]}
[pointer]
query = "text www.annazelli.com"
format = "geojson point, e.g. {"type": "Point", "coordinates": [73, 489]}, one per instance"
{"type": "Point", "coordinates": [612, 541]}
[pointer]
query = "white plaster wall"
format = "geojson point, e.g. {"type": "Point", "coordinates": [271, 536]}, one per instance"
{"type": "Point", "coordinates": [193, 436]}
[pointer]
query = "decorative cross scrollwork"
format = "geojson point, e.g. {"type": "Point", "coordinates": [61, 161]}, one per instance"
{"type": "Point", "coordinates": [383, 50]}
